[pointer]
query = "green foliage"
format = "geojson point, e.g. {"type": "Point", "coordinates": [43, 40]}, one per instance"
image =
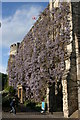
{"type": "Point", "coordinates": [6, 83]}
{"type": "Point", "coordinates": [6, 99]}
{"type": "Point", "coordinates": [3, 80]}
{"type": "Point", "coordinates": [29, 103]}
{"type": "Point", "coordinates": [11, 90]}
{"type": "Point", "coordinates": [32, 105]}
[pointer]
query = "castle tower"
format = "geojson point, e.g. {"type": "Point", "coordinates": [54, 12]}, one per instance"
{"type": "Point", "coordinates": [14, 48]}
{"type": "Point", "coordinates": [11, 62]}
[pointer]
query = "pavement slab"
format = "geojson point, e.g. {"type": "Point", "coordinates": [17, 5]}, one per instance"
{"type": "Point", "coordinates": [32, 115]}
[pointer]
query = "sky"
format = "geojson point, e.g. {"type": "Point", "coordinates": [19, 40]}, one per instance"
{"type": "Point", "coordinates": [16, 23]}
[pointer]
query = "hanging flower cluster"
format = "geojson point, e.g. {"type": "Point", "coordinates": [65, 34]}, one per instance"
{"type": "Point", "coordinates": [39, 61]}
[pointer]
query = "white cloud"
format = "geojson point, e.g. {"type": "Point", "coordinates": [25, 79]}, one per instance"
{"type": "Point", "coordinates": [16, 27]}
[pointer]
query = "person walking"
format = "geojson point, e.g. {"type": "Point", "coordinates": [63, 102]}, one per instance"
{"type": "Point", "coordinates": [43, 106]}
{"type": "Point", "coordinates": [12, 105]}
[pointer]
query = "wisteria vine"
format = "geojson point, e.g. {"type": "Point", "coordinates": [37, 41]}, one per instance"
{"type": "Point", "coordinates": [39, 61]}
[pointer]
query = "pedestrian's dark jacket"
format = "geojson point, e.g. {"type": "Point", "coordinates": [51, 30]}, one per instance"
{"type": "Point", "coordinates": [12, 104]}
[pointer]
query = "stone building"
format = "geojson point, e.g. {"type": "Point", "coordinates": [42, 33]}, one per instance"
{"type": "Point", "coordinates": [68, 97]}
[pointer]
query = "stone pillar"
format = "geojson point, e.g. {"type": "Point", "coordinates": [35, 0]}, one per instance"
{"type": "Point", "coordinates": [18, 93]}
{"type": "Point", "coordinates": [65, 89]}
{"type": "Point", "coordinates": [79, 99]}
{"type": "Point", "coordinates": [67, 68]}
{"type": "Point", "coordinates": [48, 99]}
{"type": "Point", "coordinates": [21, 95]}
{"type": "Point", "coordinates": [65, 98]}
{"type": "Point", "coordinates": [78, 70]}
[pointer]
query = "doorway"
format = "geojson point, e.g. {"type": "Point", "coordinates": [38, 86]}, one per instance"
{"type": "Point", "coordinates": [55, 98]}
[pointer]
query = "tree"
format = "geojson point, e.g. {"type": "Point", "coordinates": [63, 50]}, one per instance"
{"type": "Point", "coordinates": [3, 80]}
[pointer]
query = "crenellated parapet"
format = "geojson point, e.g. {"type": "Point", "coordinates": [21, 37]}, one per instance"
{"type": "Point", "coordinates": [14, 48]}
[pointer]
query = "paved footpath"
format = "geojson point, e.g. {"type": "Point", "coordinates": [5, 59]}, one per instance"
{"type": "Point", "coordinates": [32, 115]}
{"type": "Point", "coordinates": [37, 116]}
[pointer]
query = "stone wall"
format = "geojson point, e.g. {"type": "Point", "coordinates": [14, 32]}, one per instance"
{"type": "Point", "coordinates": [72, 75]}
{"type": "Point", "coordinates": [73, 92]}
{"type": "Point", "coordinates": [35, 59]}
